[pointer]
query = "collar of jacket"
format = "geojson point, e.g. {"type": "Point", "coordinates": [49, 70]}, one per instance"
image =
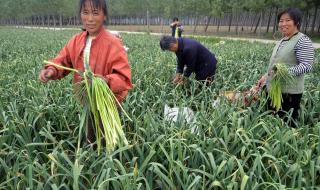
{"type": "Point", "coordinates": [100, 34]}
{"type": "Point", "coordinates": [83, 38]}
{"type": "Point", "coordinates": [287, 39]}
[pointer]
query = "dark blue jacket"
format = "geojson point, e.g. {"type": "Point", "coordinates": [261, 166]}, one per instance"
{"type": "Point", "coordinates": [194, 57]}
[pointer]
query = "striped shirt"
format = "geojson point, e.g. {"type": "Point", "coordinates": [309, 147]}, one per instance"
{"type": "Point", "coordinates": [304, 51]}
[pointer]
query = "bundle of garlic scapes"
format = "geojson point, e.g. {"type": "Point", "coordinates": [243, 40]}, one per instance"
{"type": "Point", "coordinates": [280, 76]}
{"type": "Point", "coordinates": [101, 104]}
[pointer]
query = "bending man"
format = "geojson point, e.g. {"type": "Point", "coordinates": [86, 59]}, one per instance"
{"type": "Point", "coordinates": [192, 57]}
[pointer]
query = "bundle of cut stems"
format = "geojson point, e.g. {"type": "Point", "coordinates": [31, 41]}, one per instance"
{"type": "Point", "coordinates": [281, 76]}
{"type": "Point", "coordinates": [100, 103]}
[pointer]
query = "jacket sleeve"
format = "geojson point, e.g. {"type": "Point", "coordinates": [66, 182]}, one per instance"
{"type": "Point", "coordinates": [63, 58]}
{"type": "Point", "coordinates": [180, 66]}
{"type": "Point", "coordinates": [191, 65]}
{"type": "Point", "coordinates": [119, 79]}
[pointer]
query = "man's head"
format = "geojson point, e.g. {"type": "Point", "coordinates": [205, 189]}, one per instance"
{"type": "Point", "coordinates": [169, 43]}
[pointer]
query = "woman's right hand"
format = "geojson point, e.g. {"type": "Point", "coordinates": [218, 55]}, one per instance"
{"type": "Point", "coordinates": [46, 74]}
{"type": "Point", "coordinates": [262, 81]}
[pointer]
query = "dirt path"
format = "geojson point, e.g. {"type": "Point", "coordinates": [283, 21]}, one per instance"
{"type": "Point", "coordinates": [315, 45]}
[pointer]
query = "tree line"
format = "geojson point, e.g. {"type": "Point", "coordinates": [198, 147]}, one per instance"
{"type": "Point", "coordinates": [238, 14]}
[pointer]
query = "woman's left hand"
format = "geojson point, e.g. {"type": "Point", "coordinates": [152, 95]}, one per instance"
{"type": "Point", "coordinates": [271, 72]}
{"type": "Point", "coordinates": [262, 81]}
{"type": "Point", "coordinates": [104, 78]}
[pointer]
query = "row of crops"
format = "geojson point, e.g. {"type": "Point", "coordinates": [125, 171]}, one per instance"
{"type": "Point", "coordinates": [233, 147]}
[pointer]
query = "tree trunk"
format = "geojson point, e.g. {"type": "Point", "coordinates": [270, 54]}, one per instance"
{"type": "Point", "coordinates": [275, 24]}
{"type": "Point", "coordinates": [208, 22]}
{"type": "Point", "coordinates": [260, 23]}
{"type": "Point", "coordinates": [269, 19]}
{"type": "Point", "coordinates": [219, 21]}
{"type": "Point", "coordinates": [196, 24]}
{"type": "Point", "coordinates": [318, 28]}
{"type": "Point", "coordinates": [48, 20]}
{"type": "Point", "coordinates": [306, 22]}
{"type": "Point", "coordinates": [237, 23]}
{"type": "Point", "coordinates": [54, 21]}
{"type": "Point", "coordinates": [161, 24]}
{"type": "Point", "coordinates": [69, 21]}
{"type": "Point", "coordinates": [314, 19]}
{"type": "Point", "coordinates": [259, 20]}
{"type": "Point", "coordinates": [42, 20]}
{"type": "Point", "coordinates": [148, 21]}
{"type": "Point", "coordinates": [230, 21]}
{"type": "Point", "coordinates": [60, 20]}
{"type": "Point", "coordinates": [252, 23]}
{"type": "Point", "coordinates": [244, 19]}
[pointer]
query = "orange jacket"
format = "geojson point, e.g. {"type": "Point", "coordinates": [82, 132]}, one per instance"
{"type": "Point", "coordinates": [108, 59]}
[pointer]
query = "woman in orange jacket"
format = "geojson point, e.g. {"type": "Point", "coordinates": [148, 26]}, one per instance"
{"type": "Point", "coordinates": [106, 56]}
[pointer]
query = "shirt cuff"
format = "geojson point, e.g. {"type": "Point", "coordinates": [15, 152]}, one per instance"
{"type": "Point", "coordinates": [186, 74]}
{"type": "Point", "coordinates": [179, 71]}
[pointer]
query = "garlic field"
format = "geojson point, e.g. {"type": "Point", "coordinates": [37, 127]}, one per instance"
{"type": "Point", "coordinates": [226, 147]}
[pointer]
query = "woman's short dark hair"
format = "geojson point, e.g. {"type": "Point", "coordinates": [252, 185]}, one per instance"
{"type": "Point", "coordinates": [97, 4]}
{"type": "Point", "coordinates": [294, 13]}
{"type": "Point", "coordinates": [175, 19]}
{"type": "Point", "coordinates": [166, 42]}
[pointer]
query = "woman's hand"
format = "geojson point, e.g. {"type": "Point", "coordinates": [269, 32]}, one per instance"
{"type": "Point", "coordinates": [174, 23]}
{"type": "Point", "coordinates": [262, 81]}
{"type": "Point", "coordinates": [46, 74]}
{"type": "Point", "coordinates": [106, 79]}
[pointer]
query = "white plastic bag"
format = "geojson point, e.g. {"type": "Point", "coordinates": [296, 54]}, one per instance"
{"type": "Point", "coordinates": [175, 113]}
{"type": "Point", "coordinates": [172, 114]}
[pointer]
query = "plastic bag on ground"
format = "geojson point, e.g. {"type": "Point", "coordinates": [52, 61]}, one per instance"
{"type": "Point", "coordinates": [172, 114]}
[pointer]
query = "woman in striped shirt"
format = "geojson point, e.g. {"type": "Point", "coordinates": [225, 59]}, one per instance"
{"type": "Point", "coordinates": [295, 50]}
